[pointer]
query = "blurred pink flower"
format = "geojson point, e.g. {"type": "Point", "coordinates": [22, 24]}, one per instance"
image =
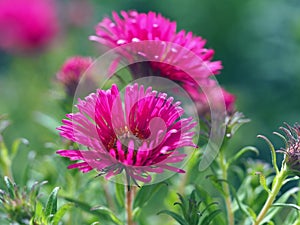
{"type": "Point", "coordinates": [135, 27]}
{"type": "Point", "coordinates": [27, 25]}
{"type": "Point", "coordinates": [72, 71]}
{"type": "Point", "coordinates": [79, 13]}
{"type": "Point", "coordinates": [178, 56]}
{"type": "Point", "coordinates": [141, 137]}
{"type": "Point", "coordinates": [212, 98]}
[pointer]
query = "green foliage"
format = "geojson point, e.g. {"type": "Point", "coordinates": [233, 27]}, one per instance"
{"type": "Point", "coordinates": [22, 206]}
{"type": "Point", "coordinates": [190, 213]}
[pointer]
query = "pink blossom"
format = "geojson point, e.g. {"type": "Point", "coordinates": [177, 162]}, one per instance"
{"type": "Point", "coordinates": [160, 50]}
{"type": "Point", "coordinates": [134, 27]}
{"type": "Point", "coordinates": [212, 95]}
{"type": "Point", "coordinates": [72, 71]}
{"type": "Point", "coordinates": [138, 136]}
{"type": "Point", "coordinates": [27, 25]}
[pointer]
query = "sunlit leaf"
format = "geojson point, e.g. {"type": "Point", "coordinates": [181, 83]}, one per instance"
{"type": "Point", "coordinates": [145, 194]}
{"type": "Point", "coordinates": [175, 216]}
{"type": "Point", "coordinates": [61, 212]}
{"type": "Point", "coordinates": [107, 212]}
{"type": "Point", "coordinates": [51, 206]}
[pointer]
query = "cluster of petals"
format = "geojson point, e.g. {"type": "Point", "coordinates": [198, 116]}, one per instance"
{"type": "Point", "coordinates": [292, 149]}
{"type": "Point", "coordinates": [153, 39]}
{"type": "Point", "coordinates": [72, 71]}
{"type": "Point", "coordinates": [27, 25]}
{"type": "Point", "coordinates": [136, 27]}
{"type": "Point", "coordinates": [141, 135]}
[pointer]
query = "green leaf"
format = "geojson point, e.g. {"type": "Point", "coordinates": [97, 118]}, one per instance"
{"type": "Point", "coordinates": [146, 193]}
{"type": "Point", "coordinates": [262, 181]}
{"type": "Point", "coordinates": [273, 152]}
{"type": "Point", "coordinates": [136, 212]}
{"type": "Point", "coordinates": [241, 152]}
{"type": "Point", "coordinates": [16, 144]}
{"type": "Point", "coordinates": [120, 194]}
{"type": "Point", "coordinates": [274, 210]}
{"type": "Point", "coordinates": [107, 212]}
{"type": "Point", "coordinates": [46, 121]}
{"type": "Point", "coordinates": [10, 187]}
{"type": "Point", "coordinates": [288, 205]}
{"type": "Point", "coordinates": [38, 212]}
{"type": "Point", "coordinates": [51, 206]}
{"type": "Point", "coordinates": [209, 218]}
{"type": "Point", "coordinates": [175, 216]}
{"type": "Point", "coordinates": [291, 179]}
{"type": "Point", "coordinates": [217, 183]}
{"type": "Point", "coordinates": [183, 205]}
{"type": "Point", "coordinates": [61, 212]}
{"type": "Point", "coordinates": [203, 194]}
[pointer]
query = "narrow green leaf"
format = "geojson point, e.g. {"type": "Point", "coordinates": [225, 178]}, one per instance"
{"type": "Point", "coordinates": [46, 121]}
{"type": "Point", "coordinates": [175, 216]}
{"type": "Point", "coordinates": [120, 194]}
{"type": "Point", "coordinates": [10, 187]}
{"type": "Point", "coordinates": [51, 206]}
{"type": "Point", "coordinates": [107, 212]}
{"type": "Point", "coordinates": [136, 212]}
{"type": "Point", "coordinates": [283, 198]}
{"type": "Point", "coordinates": [16, 144]}
{"type": "Point", "coordinates": [288, 205]}
{"type": "Point", "coordinates": [273, 152]}
{"type": "Point", "coordinates": [262, 181]}
{"type": "Point", "coordinates": [291, 179]}
{"type": "Point", "coordinates": [38, 212]}
{"type": "Point", "coordinates": [145, 194]}
{"type": "Point", "coordinates": [241, 152]}
{"type": "Point", "coordinates": [209, 218]}
{"type": "Point", "coordinates": [61, 212]}
{"type": "Point", "coordinates": [208, 201]}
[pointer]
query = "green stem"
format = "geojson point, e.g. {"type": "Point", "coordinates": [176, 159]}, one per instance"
{"type": "Point", "coordinates": [223, 165]}
{"type": "Point", "coordinates": [276, 186]}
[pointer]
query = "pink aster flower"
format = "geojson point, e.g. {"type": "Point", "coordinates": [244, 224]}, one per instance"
{"type": "Point", "coordinates": [138, 136]}
{"type": "Point", "coordinates": [136, 27]}
{"type": "Point", "coordinates": [72, 71]}
{"type": "Point", "coordinates": [213, 95]}
{"type": "Point", "coordinates": [153, 39]}
{"type": "Point", "coordinates": [27, 25]}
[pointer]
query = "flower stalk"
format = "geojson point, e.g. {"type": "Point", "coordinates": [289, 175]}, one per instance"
{"type": "Point", "coordinates": [276, 186]}
{"type": "Point", "coordinates": [224, 167]}
{"type": "Point", "coordinates": [129, 200]}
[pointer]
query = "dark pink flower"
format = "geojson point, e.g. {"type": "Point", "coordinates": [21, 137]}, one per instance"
{"type": "Point", "coordinates": [139, 135]}
{"type": "Point", "coordinates": [27, 25]}
{"type": "Point", "coordinates": [136, 27]}
{"type": "Point", "coordinates": [292, 149]}
{"type": "Point", "coordinates": [212, 95]}
{"type": "Point", "coordinates": [72, 71]}
{"type": "Point", "coordinates": [152, 39]}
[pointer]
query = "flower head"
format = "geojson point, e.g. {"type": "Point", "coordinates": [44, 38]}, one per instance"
{"type": "Point", "coordinates": [27, 25]}
{"type": "Point", "coordinates": [72, 71]}
{"type": "Point", "coordinates": [134, 27]}
{"type": "Point", "coordinates": [143, 136]}
{"type": "Point", "coordinates": [213, 94]}
{"type": "Point", "coordinates": [292, 149]}
{"type": "Point", "coordinates": [151, 38]}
